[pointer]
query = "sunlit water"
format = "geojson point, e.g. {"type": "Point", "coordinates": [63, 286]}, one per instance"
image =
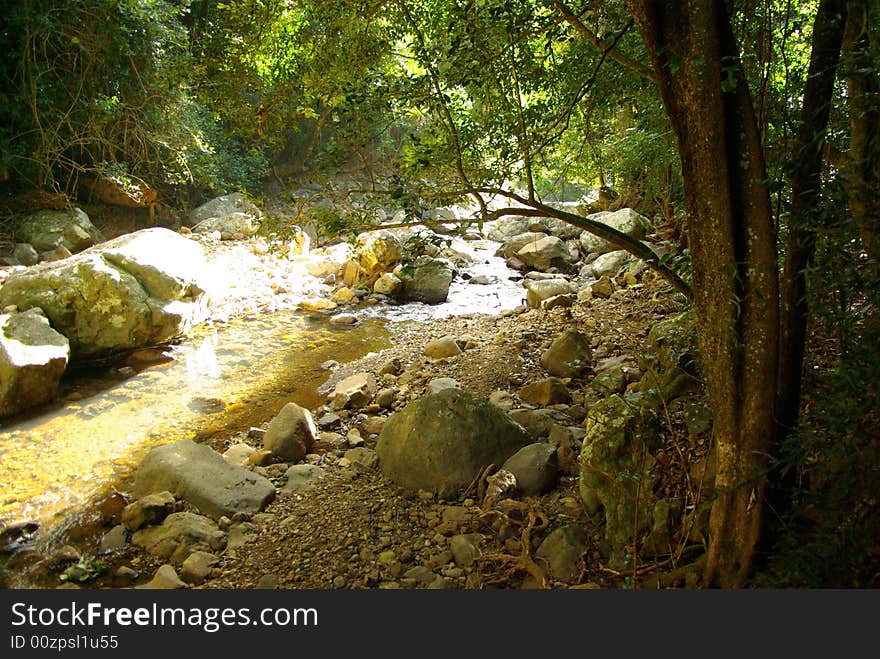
{"type": "Point", "coordinates": [505, 290]}
{"type": "Point", "coordinates": [53, 466]}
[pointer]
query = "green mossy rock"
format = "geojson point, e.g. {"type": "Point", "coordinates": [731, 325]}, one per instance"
{"type": "Point", "coordinates": [441, 441]}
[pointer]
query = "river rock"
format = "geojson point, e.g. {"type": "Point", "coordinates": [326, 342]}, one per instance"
{"type": "Point", "coordinates": [48, 229]}
{"type": "Point", "coordinates": [426, 280]}
{"type": "Point", "coordinates": [616, 464]}
{"type": "Point", "coordinates": [229, 225]}
{"type": "Point", "coordinates": [625, 220]}
{"type": "Point", "coordinates": [541, 290]}
{"type": "Point", "coordinates": [544, 392]}
{"type": "Point", "coordinates": [465, 548]}
{"type": "Point", "coordinates": [25, 254]}
{"type": "Point", "coordinates": [200, 475]}
{"type": "Point", "coordinates": [219, 207]}
{"type": "Point", "coordinates": [610, 263]}
{"type": "Point", "coordinates": [196, 568]}
{"type": "Point", "coordinates": [33, 358]}
{"type": "Point", "coordinates": [445, 346]}
{"type": "Point", "coordinates": [439, 384]}
{"type": "Point", "coordinates": [148, 510]}
{"type": "Point", "coordinates": [301, 477]}
{"type": "Point", "coordinates": [291, 433]}
{"type": "Point", "coordinates": [388, 284]}
{"type": "Point", "coordinates": [142, 288]}
{"type": "Point", "coordinates": [562, 552]}
{"type": "Point", "coordinates": [569, 355]}
{"type": "Point", "coordinates": [512, 245]}
{"type": "Point", "coordinates": [165, 579]}
{"type": "Point", "coordinates": [536, 468]}
{"type": "Point", "coordinates": [603, 288]}
{"type": "Point", "coordinates": [508, 227]}
{"type": "Point", "coordinates": [179, 535]}
{"type": "Point", "coordinates": [545, 253]}
{"type": "Point", "coordinates": [377, 252]}
{"type": "Point", "coordinates": [354, 391]}
{"type": "Point", "coordinates": [441, 441]}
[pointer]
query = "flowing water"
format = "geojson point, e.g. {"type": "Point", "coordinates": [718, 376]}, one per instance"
{"type": "Point", "coordinates": [61, 468]}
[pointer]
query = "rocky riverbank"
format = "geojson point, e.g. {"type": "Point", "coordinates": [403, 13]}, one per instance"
{"type": "Point", "coordinates": [354, 528]}
{"type": "Point", "coordinates": [542, 519]}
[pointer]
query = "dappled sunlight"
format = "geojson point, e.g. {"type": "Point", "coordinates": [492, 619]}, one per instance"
{"type": "Point", "coordinates": [54, 464]}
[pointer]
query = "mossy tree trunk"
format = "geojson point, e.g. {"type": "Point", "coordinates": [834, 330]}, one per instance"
{"type": "Point", "coordinates": [732, 238]}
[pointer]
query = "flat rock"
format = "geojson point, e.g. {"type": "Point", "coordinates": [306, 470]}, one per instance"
{"type": "Point", "coordinates": [301, 477]}
{"type": "Point", "coordinates": [201, 476]}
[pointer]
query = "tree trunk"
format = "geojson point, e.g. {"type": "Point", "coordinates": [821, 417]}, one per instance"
{"type": "Point", "coordinates": [863, 92]}
{"type": "Point", "coordinates": [800, 246]}
{"type": "Point", "coordinates": [696, 61]}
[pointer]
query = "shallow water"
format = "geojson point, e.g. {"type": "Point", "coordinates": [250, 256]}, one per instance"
{"type": "Point", "coordinates": [219, 381]}
{"type": "Point", "coordinates": [61, 467]}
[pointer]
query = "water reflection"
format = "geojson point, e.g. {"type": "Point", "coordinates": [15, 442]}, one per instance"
{"type": "Point", "coordinates": [60, 459]}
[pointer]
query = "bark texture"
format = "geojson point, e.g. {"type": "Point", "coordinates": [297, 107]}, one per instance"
{"type": "Point", "coordinates": [732, 238]}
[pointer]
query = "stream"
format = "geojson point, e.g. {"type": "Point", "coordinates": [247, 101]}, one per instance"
{"type": "Point", "coordinates": [64, 467]}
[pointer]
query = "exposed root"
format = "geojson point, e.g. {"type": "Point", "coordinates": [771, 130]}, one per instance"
{"type": "Point", "coordinates": [533, 520]}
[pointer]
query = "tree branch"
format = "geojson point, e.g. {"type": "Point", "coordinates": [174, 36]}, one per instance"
{"type": "Point", "coordinates": [592, 38]}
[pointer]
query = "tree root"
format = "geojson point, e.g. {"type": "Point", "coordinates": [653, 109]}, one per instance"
{"type": "Point", "coordinates": [534, 520]}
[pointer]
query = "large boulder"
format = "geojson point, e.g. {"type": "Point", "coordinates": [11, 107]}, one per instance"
{"type": "Point", "coordinates": [610, 263]}
{"type": "Point", "coordinates": [377, 252]}
{"type": "Point", "coordinates": [291, 433]}
{"type": "Point", "coordinates": [545, 253]}
{"type": "Point", "coordinates": [33, 357]}
{"type": "Point", "coordinates": [569, 355]}
{"type": "Point", "coordinates": [515, 243]}
{"type": "Point", "coordinates": [441, 441]}
{"type": "Point", "coordinates": [544, 289]}
{"type": "Point", "coordinates": [200, 475]}
{"type": "Point", "coordinates": [625, 220]}
{"type": "Point", "coordinates": [142, 288]}
{"type": "Point", "coordinates": [617, 469]}
{"type": "Point", "coordinates": [426, 280]}
{"type": "Point", "coordinates": [230, 204]}
{"type": "Point", "coordinates": [671, 366]}
{"type": "Point", "coordinates": [508, 227]}
{"type": "Point", "coordinates": [48, 229]}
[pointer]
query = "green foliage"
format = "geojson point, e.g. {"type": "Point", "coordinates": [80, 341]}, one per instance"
{"type": "Point", "coordinates": [830, 538]}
